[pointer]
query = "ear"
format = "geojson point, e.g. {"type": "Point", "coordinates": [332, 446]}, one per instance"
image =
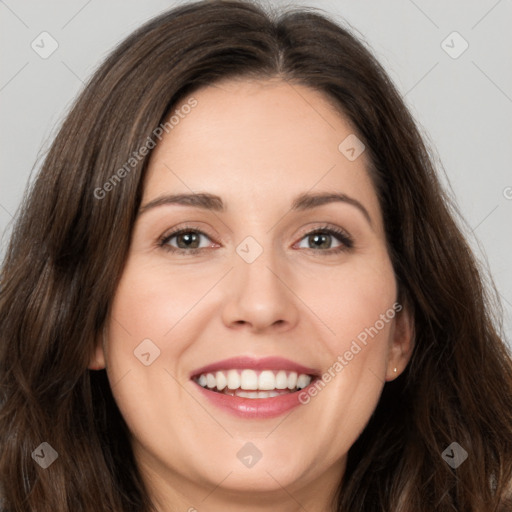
{"type": "Point", "coordinates": [97, 360]}
{"type": "Point", "coordinates": [401, 344]}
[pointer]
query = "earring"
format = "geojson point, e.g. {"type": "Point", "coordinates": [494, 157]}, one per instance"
{"type": "Point", "coordinates": [394, 370]}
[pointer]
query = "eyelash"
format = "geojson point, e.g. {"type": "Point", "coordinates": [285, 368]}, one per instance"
{"type": "Point", "coordinates": [346, 240]}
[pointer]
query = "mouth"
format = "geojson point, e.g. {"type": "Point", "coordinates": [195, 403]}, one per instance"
{"type": "Point", "coordinates": [254, 388]}
{"type": "Point", "coordinates": [249, 383]}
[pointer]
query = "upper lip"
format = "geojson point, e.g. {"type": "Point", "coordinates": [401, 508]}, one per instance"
{"type": "Point", "coordinates": [247, 362]}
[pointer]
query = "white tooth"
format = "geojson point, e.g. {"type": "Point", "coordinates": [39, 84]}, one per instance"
{"type": "Point", "coordinates": [233, 379]}
{"type": "Point", "coordinates": [292, 380]}
{"type": "Point", "coordinates": [247, 394]}
{"type": "Point", "coordinates": [266, 380]}
{"type": "Point", "coordinates": [202, 380]}
{"type": "Point", "coordinates": [210, 380]}
{"type": "Point", "coordinates": [303, 381]}
{"type": "Point", "coordinates": [272, 394]}
{"type": "Point", "coordinates": [222, 382]}
{"type": "Point", "coordinates": [248, 379]}
{"type": "Point", "coordinates": [281, 380]}
{"type": "Point", "coordinates": [263, 394]}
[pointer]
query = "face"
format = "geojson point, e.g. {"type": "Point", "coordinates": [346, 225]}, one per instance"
{"type": "Point", "coordinates": [258, 266]}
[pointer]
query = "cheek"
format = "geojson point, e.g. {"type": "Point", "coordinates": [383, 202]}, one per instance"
{"type": "Point", "coordinates": [358, 305]}
{"type": "Point", "coordinates": [142, 314]}
{"type": "Point", "coordinates": [157, 314]}
{"type": "Point", "coordinates": [355, 301]}
{"type": "Point", "coordinates": [153, 320]}
{"type": "Point", "coordinates": [151, 301]}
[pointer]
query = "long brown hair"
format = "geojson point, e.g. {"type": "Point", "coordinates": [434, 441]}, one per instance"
{"type": "Point", "coordinates": [69, 246]}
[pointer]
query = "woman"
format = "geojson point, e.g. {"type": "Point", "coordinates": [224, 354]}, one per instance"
{"type": "Point", "coordinates": [236, 284]}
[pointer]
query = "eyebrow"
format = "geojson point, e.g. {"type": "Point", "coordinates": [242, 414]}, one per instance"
{"type": "Point", "coordinates": [302, 202]}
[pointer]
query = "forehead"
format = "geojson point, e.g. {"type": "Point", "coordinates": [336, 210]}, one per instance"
{"type": "Point", "coordinates": [262, 141]}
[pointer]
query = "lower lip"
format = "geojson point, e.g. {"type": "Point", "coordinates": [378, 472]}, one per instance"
{"type": "Point", "coordinates": [254, 408]}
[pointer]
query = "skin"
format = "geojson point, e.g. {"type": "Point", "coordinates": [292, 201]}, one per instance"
{"type": "Point", "coordinates": [256, 144]}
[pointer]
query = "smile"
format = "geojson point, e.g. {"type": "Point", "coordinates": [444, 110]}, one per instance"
{"type": "Point", "coordinates": [248, 383]}
{"type": "Point", "coordinates": [252, 388]}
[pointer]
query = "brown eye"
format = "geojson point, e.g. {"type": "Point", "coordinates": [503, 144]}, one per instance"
{"type": "Point", "coordinates": [184, 240]}
{"type": "Point", "coordinates": [323, 239]}
{"type": "Point", "coordinates": [188, 240]}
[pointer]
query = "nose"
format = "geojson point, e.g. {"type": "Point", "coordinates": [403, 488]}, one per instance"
{"type": "Point", "coordinates": [260, 295]}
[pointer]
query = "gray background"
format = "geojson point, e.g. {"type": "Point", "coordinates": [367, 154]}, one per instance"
{"type": "Point", "coordinates": [463, 105]}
